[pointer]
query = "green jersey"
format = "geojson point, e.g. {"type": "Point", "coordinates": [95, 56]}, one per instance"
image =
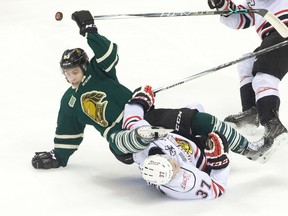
{"type": "Point", "coordinates": [98, 101]}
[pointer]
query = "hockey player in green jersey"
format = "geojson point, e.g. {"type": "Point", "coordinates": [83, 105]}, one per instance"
{"type": "Point", "coordinates": [97, 98]}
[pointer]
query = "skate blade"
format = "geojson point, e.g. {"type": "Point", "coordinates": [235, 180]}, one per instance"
{"type": "Point", "coordinates": [278, 142]}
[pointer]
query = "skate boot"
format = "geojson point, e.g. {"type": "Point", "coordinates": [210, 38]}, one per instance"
{"type": "Point", "coordinates": [151, 133]}
{"type": "Point", "coordinates": [275, 130]}
{"type": "Point", "coordinates": [275, 133]}
{"type": "Point", "coordinates": [248, 117]}
{"type": "Point", "coordinates": [256, 150]}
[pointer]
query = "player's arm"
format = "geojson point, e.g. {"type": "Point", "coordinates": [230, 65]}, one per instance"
{"type": "Point", "coordinates": [68, 136]}
{"type": "Point", "coordinates": [141, 102]}
{"type": "Point", "coordinates": [216, 153]}
{"type": "Point", "coordinates": [234, 21]}
{"type": "Point", "coordinates": [105, 51]}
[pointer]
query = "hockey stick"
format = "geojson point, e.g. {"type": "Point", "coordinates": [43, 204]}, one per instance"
{"type": "Point", "coordinates": [243, 58]}
{"type": "Point", "coordinates": [268, 16]}
{"type": "Point", "coordinates": [176, 14]}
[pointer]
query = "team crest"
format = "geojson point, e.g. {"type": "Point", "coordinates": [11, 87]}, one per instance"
{"type": "Point", "coordinates": [184, 145]}
{"type": "Point", "coordinates": [93, 106]}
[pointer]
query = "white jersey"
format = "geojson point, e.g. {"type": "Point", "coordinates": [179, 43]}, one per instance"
{"type": "Point", "coordinates": [191, 182]}
{"type": "Point", "coordinates": [241, 21]}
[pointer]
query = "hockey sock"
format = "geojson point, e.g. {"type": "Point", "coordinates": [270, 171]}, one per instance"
{"type": "Point", "coordinates": [204, 123]}
{"type": "Point", "coordinates": [247, 95]}
{"type": "Point", "coordinates": [267, 108]}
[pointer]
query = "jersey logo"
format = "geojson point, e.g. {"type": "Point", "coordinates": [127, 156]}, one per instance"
{"type": "Point", "coordinates": [72, 101]}
{"type": "Point", "coordinates": [171, 150]}
{"type": "Point", "coordinates": [178, 121]}
{"type": "Point", "coordinates": [93, 106]}
{"type": "Point", "coordinates": [184, 145]}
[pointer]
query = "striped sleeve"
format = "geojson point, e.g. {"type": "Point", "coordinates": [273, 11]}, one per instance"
{"type": "Point", "coordinates": [105, 52]}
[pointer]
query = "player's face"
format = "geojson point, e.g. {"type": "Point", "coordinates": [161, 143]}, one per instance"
{"type": "Point", "coordinates": [74, 76]}
{"type": "Point", "coordinates": [175, 165]}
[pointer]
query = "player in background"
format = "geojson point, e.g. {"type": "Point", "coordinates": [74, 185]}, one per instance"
{"type": "Point", "coordinates": [259, 76]}
{"type": "Point", "coordinates": [179, 169]}
{"type": "Point", "coordinates": [97, 98]}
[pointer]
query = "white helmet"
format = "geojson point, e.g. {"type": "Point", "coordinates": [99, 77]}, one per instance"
{"type": "Point", "coordinates": [157, 169]}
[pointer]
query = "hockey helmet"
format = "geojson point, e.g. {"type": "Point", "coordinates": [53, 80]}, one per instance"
{"type": "Point", "coordinates": [157, 169]}
{"type": "Point", "coordinates": [73, 58]}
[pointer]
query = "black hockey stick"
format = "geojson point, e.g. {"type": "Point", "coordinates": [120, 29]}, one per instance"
{"type": "Point", "coordinates": [243, 58]}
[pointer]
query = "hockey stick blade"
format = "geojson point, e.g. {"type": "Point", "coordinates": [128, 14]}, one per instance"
{"type": "Point", "coordinates": [280, 27]}
{"type": "Point", "coordinates": [212, 70]}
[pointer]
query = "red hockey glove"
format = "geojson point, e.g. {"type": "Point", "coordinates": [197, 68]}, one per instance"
{"type": "Point", "coordinates": [216, 151]}
{"type": "Point", "coordinates": [143, 96]}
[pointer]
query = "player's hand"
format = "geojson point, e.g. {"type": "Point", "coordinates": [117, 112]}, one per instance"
{"type": "Point", "coordinates": [45, 160]}
{"type": "Point", "coordinates": [143, 96]}
{"type": "Point", "coordinates": [85, 22]}
{"type": "Point", "coordinates": [218, 4]}
{"type": "Point", "coordinates": [216, 151]}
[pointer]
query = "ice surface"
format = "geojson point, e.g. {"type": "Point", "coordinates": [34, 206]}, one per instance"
{"type": "Point", "coordinates": [154, 51]}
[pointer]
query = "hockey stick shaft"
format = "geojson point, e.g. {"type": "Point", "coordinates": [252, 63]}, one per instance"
{"type": "Point", "coordinates": [209, 71]}
{"type": "Point", "coordinates": [271, 18]}
{"type": "Point", "coordinates": [177, 14]}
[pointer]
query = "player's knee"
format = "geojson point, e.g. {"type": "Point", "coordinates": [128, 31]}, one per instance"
{"type": "Point", "coordinates": [262, 80]}
{"type": "Point", "coordinates": [265, 85]}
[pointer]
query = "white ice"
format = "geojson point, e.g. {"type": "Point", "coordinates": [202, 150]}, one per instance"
{"type": "Point", "coordinates": [155, 51]}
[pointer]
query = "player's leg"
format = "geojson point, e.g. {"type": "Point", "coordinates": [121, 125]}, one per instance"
{"type": "Point", "coordinates": [248, 116]}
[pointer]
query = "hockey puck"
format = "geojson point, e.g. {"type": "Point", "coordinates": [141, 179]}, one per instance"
{"type": "Point", "coordinates": [59, 16]}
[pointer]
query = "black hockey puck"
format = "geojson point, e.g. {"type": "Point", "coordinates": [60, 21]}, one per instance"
{"type": "Point", "coordinates": [59, 16]}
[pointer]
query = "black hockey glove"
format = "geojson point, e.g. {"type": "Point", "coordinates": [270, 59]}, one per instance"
{"type": "Point", "coordinates": [45, 160]}
{"type": "Point", "coordinates": [143, 96]}
{"type": "Point", "coordinates": [85, 22]}
{"type": "Point", "coordinates": [216, 151]}
{"type": "Point", "coordinates": [217, 4]}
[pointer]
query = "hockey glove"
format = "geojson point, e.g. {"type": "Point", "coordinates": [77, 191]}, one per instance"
{"type": "Point", "coordinates": [45, 160]}
{"type": "Point", "coordinates": [143, 96]}
{"type": "Point", "coordinates": [219, 4]}
{"type": "Point", "coordinates": [85, 22]}
{"type": "Point", "coordinates": [216, 151]}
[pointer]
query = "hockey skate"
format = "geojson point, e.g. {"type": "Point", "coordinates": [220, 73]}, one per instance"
{"type": "Point", "coordinates": [151, 133]}
{"type": "Point", "coordinates": [256, 150]}
{"type": "Point", "coordinates": [275, 130]}
{"type": "Point", "coordinates": [275, 134]}
{"type": "Point", "coordinates": [248, 117]}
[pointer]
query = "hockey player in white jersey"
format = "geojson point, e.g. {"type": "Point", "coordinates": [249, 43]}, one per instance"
{"type": "Point", "coordinates": [259, 77]}
{"type": "Point", "coordinates": [180, 169]}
